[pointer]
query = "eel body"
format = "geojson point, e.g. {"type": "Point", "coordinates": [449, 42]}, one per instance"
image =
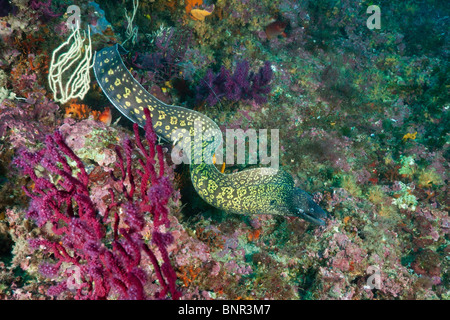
{"type": "Point", "coordinates": [253, 191]}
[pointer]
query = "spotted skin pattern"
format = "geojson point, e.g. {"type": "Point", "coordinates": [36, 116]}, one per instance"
{"type": "Point", "coordinates": [254, 191]}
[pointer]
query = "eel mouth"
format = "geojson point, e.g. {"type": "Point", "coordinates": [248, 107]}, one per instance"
{"type": "Point", "coordinates": [315, 215]}
{"type": "Point", "coordinates": [306, 208]}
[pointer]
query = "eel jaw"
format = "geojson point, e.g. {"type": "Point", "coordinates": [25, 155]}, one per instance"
{"type": "Point", "coordinates": [313, 216]}
{"type": "Point", "coordinates": [307, 209]}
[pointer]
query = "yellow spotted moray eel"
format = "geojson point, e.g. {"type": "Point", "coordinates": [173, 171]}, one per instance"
{"type": "Point", "coordinates": [253, 191]}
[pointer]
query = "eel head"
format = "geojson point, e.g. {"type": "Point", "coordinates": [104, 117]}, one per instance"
{"type": "Point", "coordinates": [303, 206]}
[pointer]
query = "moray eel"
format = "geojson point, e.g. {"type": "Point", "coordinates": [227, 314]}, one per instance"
{"type": "Point", "coordinates": [253, 191]}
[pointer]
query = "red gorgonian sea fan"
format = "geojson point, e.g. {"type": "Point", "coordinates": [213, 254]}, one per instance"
{"type": "Point", "coordinates": [103, 250]}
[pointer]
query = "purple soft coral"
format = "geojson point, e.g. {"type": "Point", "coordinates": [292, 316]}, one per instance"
{"type": "Point", "coordinates": [242, 85]}
{"type": "Point", "coordinates": [44, 7]}
{"type": "Point", "coordinates": [104, 248]}
{"type": "Point", "coordinates": [164, 64]}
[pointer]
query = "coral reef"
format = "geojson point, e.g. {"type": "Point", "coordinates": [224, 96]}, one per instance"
{"type": "Point", "coordinates": [363, 121]}
{"type": "Point", "coordinates": [98, 265]}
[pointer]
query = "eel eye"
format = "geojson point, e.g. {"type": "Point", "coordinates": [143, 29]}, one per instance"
{"type": "Point", "coordinates": [273, 202]}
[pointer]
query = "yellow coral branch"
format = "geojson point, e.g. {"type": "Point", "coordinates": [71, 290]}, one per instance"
{"type": "Point", "coordinates": [411, 136]}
